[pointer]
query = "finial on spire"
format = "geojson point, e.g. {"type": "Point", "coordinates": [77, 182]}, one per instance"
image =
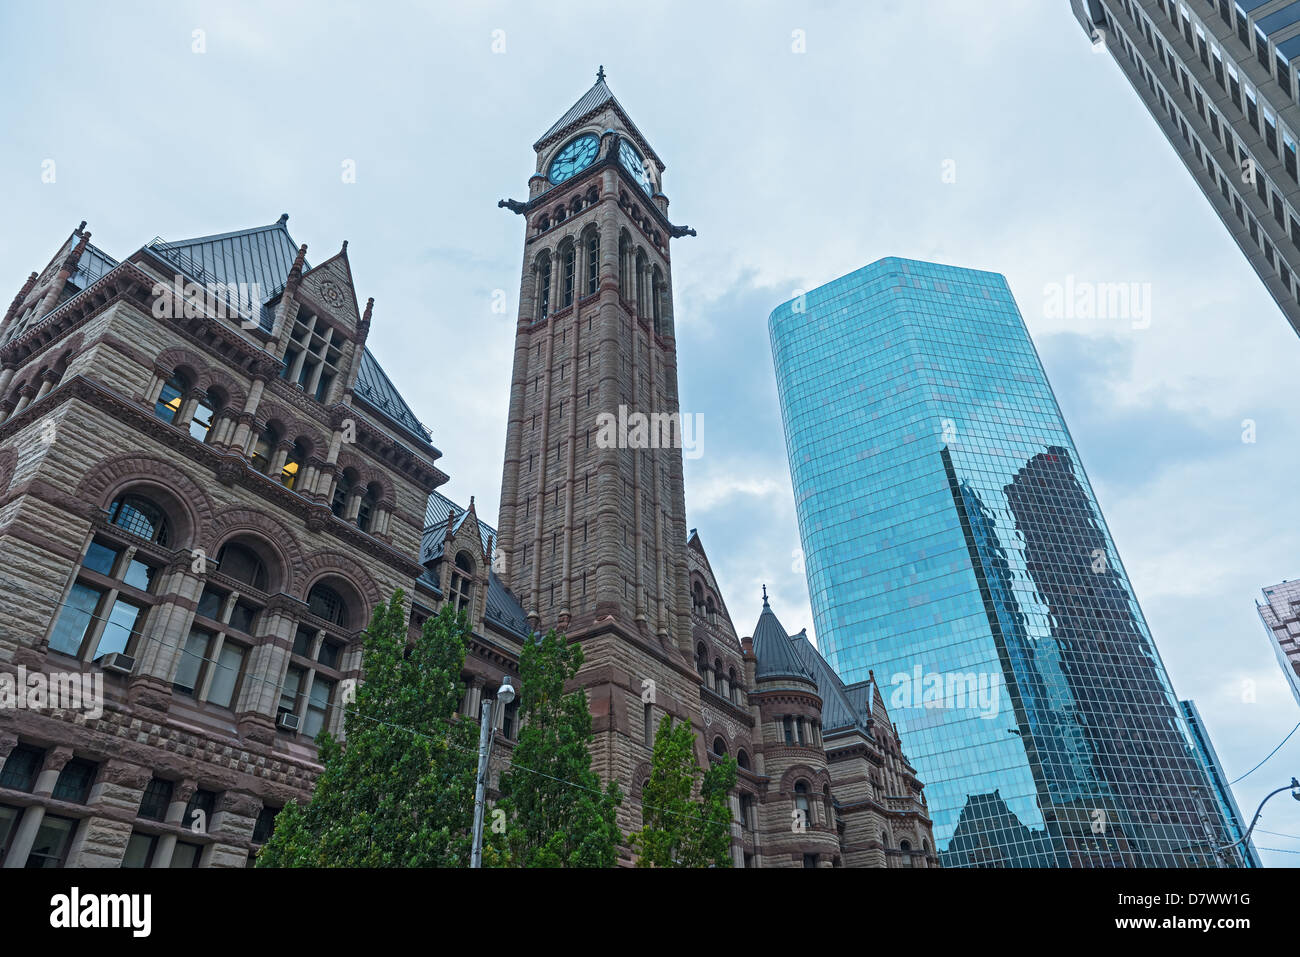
{"type": "Point", "coordinates": [284, 218]}
{"type": "Point", "coordinates": [82, 226]}
{"type": "Point", "coordinates": [765, 596]}
{"type": "Point", "coordinates": [600, 74]}
{"type": "Point", "coordinates": [345, 246]}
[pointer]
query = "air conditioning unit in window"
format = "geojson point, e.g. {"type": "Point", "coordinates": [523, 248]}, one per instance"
{"type": "Point", "coordinates": [123, 664]}
{"type": "Point", "coordinates": [287, 720]}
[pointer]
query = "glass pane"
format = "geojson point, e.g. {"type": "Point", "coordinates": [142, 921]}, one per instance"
{"type": "Point", "coordinates": [317, 707]}
{"type": "Point", "coordinates": [52, 841]}
{"type": "Point", "coordinates": [117, 630]}
{"type": "Point", "coordinates": [201, 423]}
{"type": "Point", "coordinates": [196, 649]}
{"type": "Point", "coordinates": [139, 575]}
{"type": "Point", "coordinates": [100, 558]}
{"type": "Point", "coordinates": [210, 603]}
{"type": "Point", "coordinates": [186, 855]}
{"type": "Point", "coordinates": [169, 402]}
{"type": "Point", "coordinates": [302, 642]}
{"type": "Point", "coordinates": [289, 694]}
{"type": "Point", "coordinates": [329, 655]}
{"type": "Point", "coordinates": [139, 850]}
{"type": "Point", "coordinates": [75, 619]}
{"type": "Point", "coordinates": [229, 664]}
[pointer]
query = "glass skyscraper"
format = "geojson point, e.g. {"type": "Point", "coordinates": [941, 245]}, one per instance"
{"type": "Point", "coordinates": [954, 547]}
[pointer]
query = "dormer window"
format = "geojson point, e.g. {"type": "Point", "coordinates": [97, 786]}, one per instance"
{"type": "Point", "coordinates": [462, 582]}
{"type": "Point", "coordinates": [312, 358]}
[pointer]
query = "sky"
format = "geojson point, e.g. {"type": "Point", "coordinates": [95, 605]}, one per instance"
{"type": "Point", "coordinates": [802, 141]}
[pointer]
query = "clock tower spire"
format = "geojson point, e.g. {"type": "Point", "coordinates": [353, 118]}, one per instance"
{"type": "Point", "coordinates": [593, 519]}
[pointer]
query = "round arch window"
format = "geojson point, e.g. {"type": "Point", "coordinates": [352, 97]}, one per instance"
{"type": "Point", "coordinates": [326, 603]}
{"type": "Point", "coordinates": [141, 517]}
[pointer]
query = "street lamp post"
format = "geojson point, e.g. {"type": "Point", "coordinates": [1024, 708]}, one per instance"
{"type": "Point", "coordinates": [505, 694]}
{"type": "Point", "coordinates": [1293, 787]}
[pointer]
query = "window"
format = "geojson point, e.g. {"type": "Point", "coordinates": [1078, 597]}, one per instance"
{"type": "Point", "coordinates": [293, 465]}
{"type": "Point", "coordinates": [810, 860]}
{"type": "Point", "coordinates": [648, 733]}
{"type": "Point", "coordinates": [719, 746]}
{"type": "Point", "coordinates": [742, 759]}
{"type": "Point", "coordinates": [264, 450]}
{"type": "Point", "coordinates": [75, 781]}
{"type": "Point", "coordinates": [186, 855]}
{"type": "Point", "coordinates": [787, 725]}
{"type": "Point", "coordinates": [569, 263]}
{"type": "Point", "coordinates": [225, 674]}
{"type": "Point", "coordinates": [801, 801]}
{"type": "Point", "coordinates": [202, 419]}
{"type": "Point", "coordinates": [318, 703]}
{"type": "Point", "coordinates": [329, 654]}
{"type": "Point", "coordinates": [289, 691]}
{"type": "Point", "coordinates": [366, 510]}
{"type": "Point", "coordinates": [242, 564]}
{"type": "Point", "coordinates": [462, 581]}
{"type": "Point", "coordinates": [156, 799]}
{"type": "Point", "coordinates": [8, 824]}
{"type": "Point", "coordinates": [342, 492]}
{"type": "Point", "coordinates": [543, 287]}
{"type": "Point", "coordinates": [593, 262]}
{"type": "Point", "coordinates": [265, 825]}
{"type": "Point", "coordinates": [140, 850]}
{"type": "Point", "coordinates": [198, 813]}
{"type": "Point", "coordinates": [105, 615]}
{"type": "Point", "coordinates": [52, 840]}
{"type": "Point", "coordinates": [325, 602]}
{"type": "Point", "coordinates": [141, 517]}
{"type": "Point", "coordinates": [21, 768]}
{"type": "Point", "coordinates": [170, 400]}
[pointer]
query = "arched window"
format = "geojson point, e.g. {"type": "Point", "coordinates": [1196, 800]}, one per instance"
{"type": "Point", "coordinates": [717, 674]}
{"type": "Point", "coordinates": [742, 759]}
{"type": "Point", "coordinates": [593, 262]}
{"type": "Point", "coordinates": [140, 517]}
{"type": "Point", "coordinates": [801, 801]}
{"type": "Point", "coordinates": [342, 492]}
{"type": "Point", "coordinates": [170, 399]}
{"type": "Point", "coordinates": [906, 848]}
{"type": "Point", "coordinates": [326, 603]}
{"type": "Point", "coordinates": [624, 265]}
{"type": "Point", "coordinates": [543, 286]}
{"type": "Point", "coordinates": [462, 582]}
{"type": "Point", "coordinates": [204, 415]}
{"type": "Point", "coordinates": [731, 685]}
{"type": "Point", "coordinates": [719, 746]}
{"type": "Point", "coordinates": [656, 298]}
{"type": "Point", "coordinates": [642, 306]}
{"type": "Point", "coordinates": [264, 450]}
{"type": "Point", "coordinates": [701, 659]}
{"type": "Point", "coordinates": [242, 564]}
{"type": "Point", "coordinates": [568, 273]}
{"type": "Point", "coordinates": [827, 804]}
{"type": "Point", "coordinates": [293, 465]}
{"type": "Point", "coordinates": [366, 512]}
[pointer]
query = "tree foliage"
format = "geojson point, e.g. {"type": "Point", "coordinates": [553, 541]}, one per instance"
{"type": "Point", "coordinates": [679, 830]}
{"type": "Point", "coordinates": [556, 813]}
{"type": "Point", "coordinates": [399, 790]}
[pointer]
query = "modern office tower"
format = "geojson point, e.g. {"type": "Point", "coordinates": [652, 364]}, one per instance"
{"type": "Point", "coordinates": [1219, 77]}
{"type": "Point", "coordinates": [954, 545]}
{"type": "Point", "coordinates": [1281, 616]}
{"type": "Point", "coordinates": [1232, 825]}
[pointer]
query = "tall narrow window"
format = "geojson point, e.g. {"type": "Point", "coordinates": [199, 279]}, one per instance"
{"type": "Point", "coordinates": [569, 261]}
{"type": "Point", "coordinates": [264, 449]}
{"type": "Point", "coordinates": [543, 287]}
{"type": "Point", "coordinates": [170, 399]}
{"type": "Point", "coordinates": [462, 582]}
{"type": "Point", "coordinates": [342, 492]}
{"type": "Point", "coordinates": [366, 511]}
{"type": "Point", "coordinates": [593, 262]}
{"type": "Point", "coordinates": [201, 421]}
{"type": "Point", "coordinates": [293, 465]}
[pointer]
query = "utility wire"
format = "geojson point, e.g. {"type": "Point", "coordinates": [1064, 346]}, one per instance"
{"type": "Point", "coordinates": [1270, 754]}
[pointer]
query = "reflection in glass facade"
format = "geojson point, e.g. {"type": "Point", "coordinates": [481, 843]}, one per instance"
{"type": "Point", "coordinates": [954, 546]}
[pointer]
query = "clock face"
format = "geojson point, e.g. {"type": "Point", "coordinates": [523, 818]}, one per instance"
{"type": "Point", "coordinates": [635, 165]}
{"type": "Point", "coordinates": [574, 158]}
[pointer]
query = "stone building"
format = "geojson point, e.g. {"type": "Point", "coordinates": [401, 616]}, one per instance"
{"type": "Point", "coordinates": [207, 483]}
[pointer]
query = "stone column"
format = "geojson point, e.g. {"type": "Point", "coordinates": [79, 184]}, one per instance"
{"type": "Point", "coordinates": [162, 855]}
{"type": "Point", "coordinates": [102, 841]}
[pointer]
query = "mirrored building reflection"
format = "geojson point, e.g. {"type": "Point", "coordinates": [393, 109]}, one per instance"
{"type": "Point", "coordinates": [953, 544]}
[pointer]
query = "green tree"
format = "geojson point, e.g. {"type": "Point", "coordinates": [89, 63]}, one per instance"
{"type": "Point", "coordinates": [556, 813]}
{"type": "Point", "coordinates": [679, 831]}
{"type": "Point", "coordinates": [399, 790]}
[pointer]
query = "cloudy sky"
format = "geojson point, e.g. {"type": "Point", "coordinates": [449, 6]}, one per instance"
{"type": "Point", "coordinates": [795, 167]}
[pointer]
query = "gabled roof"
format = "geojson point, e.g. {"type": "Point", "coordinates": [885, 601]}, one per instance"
{"type": "Point", "coordinates": [263, 256]}
{"type": "Point", "coordinates": [503, 608]}
{"type": "Point", "coordinates": [774, 651]}
{"type": "Point", "coordinates": [593, 101]}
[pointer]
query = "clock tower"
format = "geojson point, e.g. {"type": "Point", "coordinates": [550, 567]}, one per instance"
{"type": "Point", "coordinates": [593, 519]}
